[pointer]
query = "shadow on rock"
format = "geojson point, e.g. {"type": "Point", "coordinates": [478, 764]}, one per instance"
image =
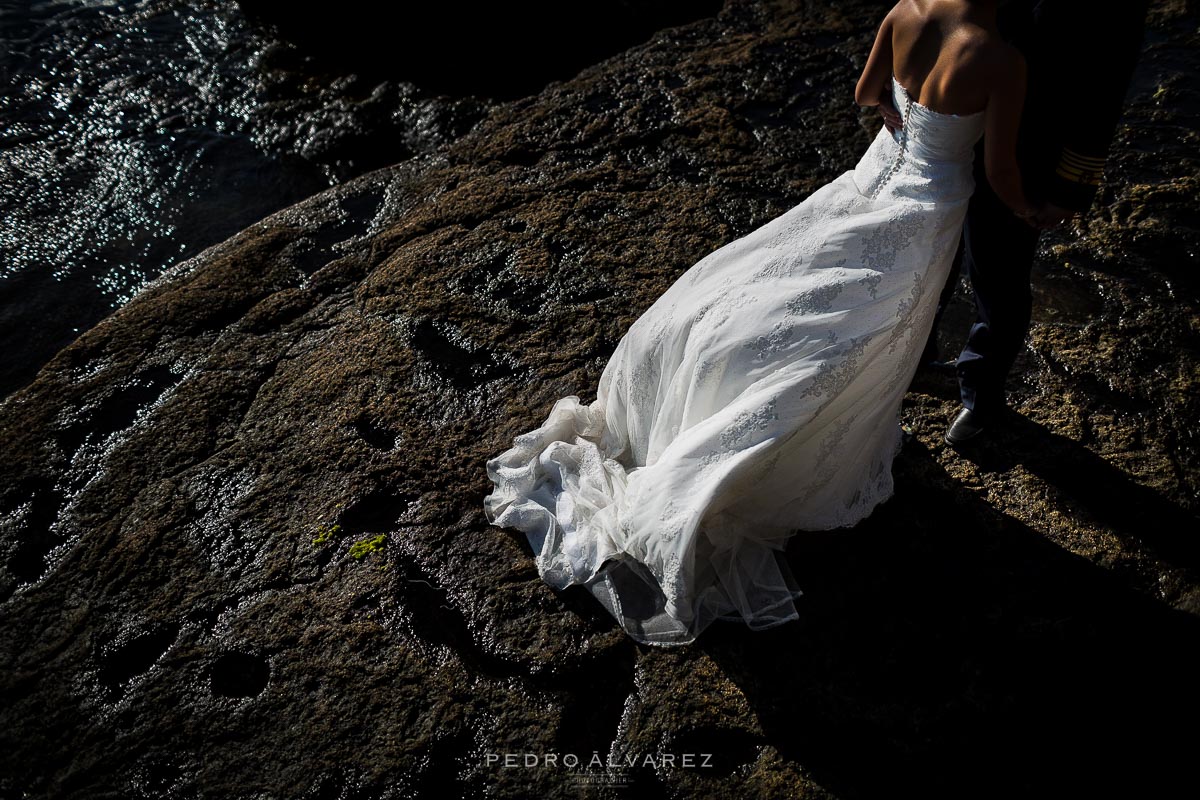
{"type": "Point", "coordinates": [1097, 492]}
{"type": "Point", "coordinates": [946, 649]}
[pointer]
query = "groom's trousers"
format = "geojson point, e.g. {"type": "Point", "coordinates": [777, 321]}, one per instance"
{"type": "Point", "coordinates": [996, 250]}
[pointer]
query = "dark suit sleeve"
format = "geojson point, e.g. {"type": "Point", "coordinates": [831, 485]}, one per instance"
{"type": "Point", "coordinates": [1091, 52]}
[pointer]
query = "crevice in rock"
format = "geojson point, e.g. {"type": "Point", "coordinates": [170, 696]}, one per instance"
{"type": "Point", "coordinates": [450, 767]}
{"type": "Point", "coordinates": [120, 409]}
{"type": "Point", "coordinates": [452, 355]}
{"type": "Point", "coordinates": [353, 217]}
{"type": "Point", "coordinates": [594, 702]}
{"type": "Point", "coordinates": [29, 514]}
{"type": "Point", "coordinates": [123, 660]}
{"type": "Point", "coordinates": [239, 674]}
{"type": "Point", "coordinates": [380, 511]}
{"type": "Point", "coordinates": [378, 436]}
{"type": "Point", "coordinates": [495, 281]}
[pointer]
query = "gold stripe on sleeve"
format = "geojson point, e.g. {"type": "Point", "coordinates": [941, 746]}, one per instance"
{"type": "Point", "coordinates": [1079, 168]}
{"type": "Point", "coordinates": [1089, 178]}
{"type": "Point", "coordinates": [1093, 162]}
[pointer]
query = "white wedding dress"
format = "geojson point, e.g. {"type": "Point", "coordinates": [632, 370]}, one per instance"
{"type": "Point", "coordinates": [757, 397]}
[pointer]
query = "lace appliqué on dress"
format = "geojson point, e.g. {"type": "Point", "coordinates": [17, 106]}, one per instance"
{"type": "Point", "coordinates": [836, 372]}
{"type": "Point", "coordinates": [881, 247]}
{"type": "Point", "coordinates": [747, 421]}
{"type": "Point", "coordinates": [808, 302]}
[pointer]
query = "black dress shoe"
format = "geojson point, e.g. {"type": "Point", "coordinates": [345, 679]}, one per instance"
{"type": "Point", "coordinates": [966, 426]}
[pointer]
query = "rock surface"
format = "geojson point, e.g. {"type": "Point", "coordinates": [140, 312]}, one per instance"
{"type": "Point", "coordinates": [242, 533]}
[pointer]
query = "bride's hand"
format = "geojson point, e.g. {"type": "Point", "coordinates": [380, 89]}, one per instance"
{"type": "Point", "coordinates": [887, 110]}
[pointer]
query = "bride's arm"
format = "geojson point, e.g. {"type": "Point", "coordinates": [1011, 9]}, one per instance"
{"type": "Point", "coordinates": [1001, 122]}
{"type": "Point", "coordinates": [877, 74]}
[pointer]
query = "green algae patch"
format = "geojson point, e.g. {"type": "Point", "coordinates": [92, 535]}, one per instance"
{"type": "Point", "coordinates": [365, 547]}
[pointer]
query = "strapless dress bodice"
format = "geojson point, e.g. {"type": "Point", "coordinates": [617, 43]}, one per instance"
{"type": "Point", "coordinates": [927, 159]}
{"type": "Point", "coordinates": [932, 135]}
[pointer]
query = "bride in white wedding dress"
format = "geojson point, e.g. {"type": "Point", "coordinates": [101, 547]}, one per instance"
{"type": "Point", "coordinates": [760, 395]}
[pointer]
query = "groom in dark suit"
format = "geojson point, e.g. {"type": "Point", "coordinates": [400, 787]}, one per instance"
{"type": "Point", "coordinates": [1080, 57]}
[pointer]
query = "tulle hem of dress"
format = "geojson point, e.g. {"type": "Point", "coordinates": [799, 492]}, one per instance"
{"type": "Point", "coordinates": [561, 485]}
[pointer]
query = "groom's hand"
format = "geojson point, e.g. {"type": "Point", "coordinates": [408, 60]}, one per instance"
{"type": "Point", "coordinates": [1051, 216]}
{"type": "Point", "coordinates": [1057, 215]}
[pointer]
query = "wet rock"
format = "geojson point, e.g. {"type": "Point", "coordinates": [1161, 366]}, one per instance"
{"type": "Point", "coordinates": [241, 519]}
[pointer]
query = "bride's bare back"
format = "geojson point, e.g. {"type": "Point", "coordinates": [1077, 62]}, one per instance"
{"type": "Point", "coordinates": [949, 56]}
